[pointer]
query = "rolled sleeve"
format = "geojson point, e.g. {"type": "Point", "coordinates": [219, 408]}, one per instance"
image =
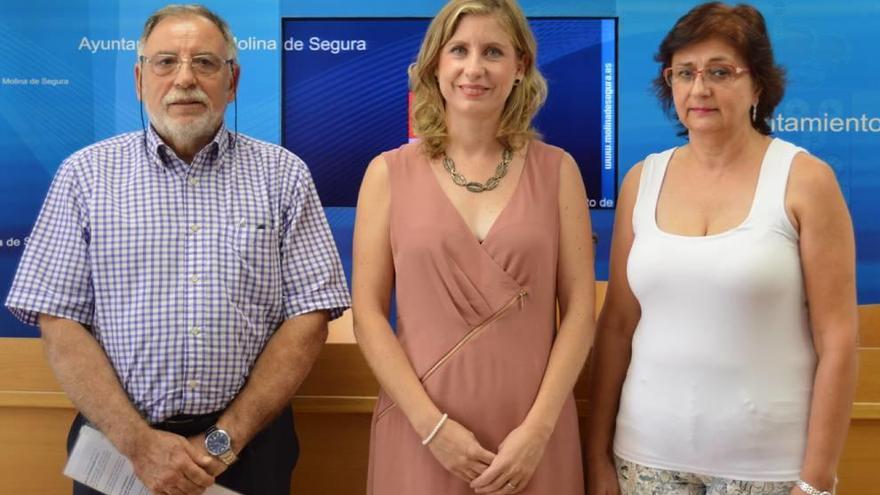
{"type": "Point", "coordinates": [312, 274]}
{"type": "Point", "coordinates": [53, 276]}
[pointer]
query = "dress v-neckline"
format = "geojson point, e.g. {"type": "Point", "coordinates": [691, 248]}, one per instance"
{"type": "Point", "coordinates": [457, 212]}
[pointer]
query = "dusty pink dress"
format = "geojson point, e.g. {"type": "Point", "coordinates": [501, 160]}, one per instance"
{"type": "Point", "coordinates": [477, 321]}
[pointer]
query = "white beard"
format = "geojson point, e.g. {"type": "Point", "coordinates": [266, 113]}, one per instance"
{"type": "Point", "coordinates": [183, 133]}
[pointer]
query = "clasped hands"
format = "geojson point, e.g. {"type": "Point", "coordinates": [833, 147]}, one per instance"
{"type": "Point", "coordinates": [509, 471]}
{"type": "Point", "coordinates": [170, 464]}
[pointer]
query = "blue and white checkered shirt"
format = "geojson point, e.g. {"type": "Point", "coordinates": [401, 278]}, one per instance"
{"type": "Point", "coordinates": [181, 272]}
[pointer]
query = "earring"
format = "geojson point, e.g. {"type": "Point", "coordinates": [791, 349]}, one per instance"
{"type": "Point", "coordinates": [754, 112]}
{"type": "Point", "coordinates": [516, 82]}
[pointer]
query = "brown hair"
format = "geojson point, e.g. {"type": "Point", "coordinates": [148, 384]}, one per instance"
{"type": "Point", "coordinates": [744, 29]}
{"type": "Point", "coordinates": [429, 110]}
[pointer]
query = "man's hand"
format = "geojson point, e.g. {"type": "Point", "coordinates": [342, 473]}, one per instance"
{"type": "Point", "coordinates": [216, 467]}
{"type": "Point", "coordinates": [166, 463]}
{"type": "Point", "coordinates": [169, 464]}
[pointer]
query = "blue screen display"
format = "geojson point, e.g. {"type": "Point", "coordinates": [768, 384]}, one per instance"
{"type": "Point", "coordinates": [345, 96]}
{"type": "Point", "coordinates": [66, 81]}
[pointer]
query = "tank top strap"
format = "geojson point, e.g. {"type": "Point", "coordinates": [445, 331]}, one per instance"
{"type": "Point", "coordinates": [769, 203]}
{"type": "Point", "coordinates": [650, 182]}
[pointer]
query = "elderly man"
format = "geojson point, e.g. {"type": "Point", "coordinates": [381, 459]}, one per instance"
{"type": "Point", "coordinates": [183, 277]}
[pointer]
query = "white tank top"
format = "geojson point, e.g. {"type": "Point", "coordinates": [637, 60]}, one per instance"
{"type": "Point", "coordinates": [722, 359]}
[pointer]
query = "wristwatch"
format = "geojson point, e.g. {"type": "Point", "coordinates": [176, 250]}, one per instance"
{"type": "Point", "coordinates": [219, 445]}
{"type": "Point", "coordinates": [810, 489]}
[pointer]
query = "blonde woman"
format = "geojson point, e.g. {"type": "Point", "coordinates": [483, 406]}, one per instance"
{"type": "Point", "coordinates": [480, 229]}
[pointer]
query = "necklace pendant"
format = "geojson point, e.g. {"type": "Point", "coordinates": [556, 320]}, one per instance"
{"type": "Point", "coordinates": [475, 187]}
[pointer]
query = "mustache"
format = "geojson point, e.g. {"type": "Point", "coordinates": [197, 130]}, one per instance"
{"type": "Point", "coordinates": [194, 95]}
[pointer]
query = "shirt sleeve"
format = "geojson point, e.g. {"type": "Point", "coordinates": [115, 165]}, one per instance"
{"type": "Point", "coordinates": [312, 274]}
{"type": "Point", "coordinates": [54, 276]}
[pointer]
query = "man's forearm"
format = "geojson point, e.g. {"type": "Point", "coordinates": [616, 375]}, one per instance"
{"type": "Point", "coordinates": [277, 374]}
{"type": "Point", "coordinates": [88, 378]}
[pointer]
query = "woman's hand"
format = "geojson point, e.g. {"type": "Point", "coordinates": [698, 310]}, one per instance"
{"type": "Point", "coordinates": [513, 467]}
{"type": "Point", "coordinates": [602, 477]}
{"type": "Point", "coordinates": [459, 452]}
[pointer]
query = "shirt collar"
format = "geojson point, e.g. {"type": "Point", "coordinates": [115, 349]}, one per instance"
{"type": "Point", "coordinates": [161, 154]}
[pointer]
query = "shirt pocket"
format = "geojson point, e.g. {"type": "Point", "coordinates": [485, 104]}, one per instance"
{"type": "Point", "coordinates": [253, 278]}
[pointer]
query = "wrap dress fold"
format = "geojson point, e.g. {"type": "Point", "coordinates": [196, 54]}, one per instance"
{"type": "Point", "coordinates": [477, 321]}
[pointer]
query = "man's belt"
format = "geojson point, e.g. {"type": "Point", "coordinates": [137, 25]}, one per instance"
{"type": "Point", "coordinates": [188, 425]}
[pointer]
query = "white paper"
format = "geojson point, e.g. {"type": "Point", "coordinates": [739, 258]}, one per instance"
{"type": "Point", "coordinates": [96, 463]}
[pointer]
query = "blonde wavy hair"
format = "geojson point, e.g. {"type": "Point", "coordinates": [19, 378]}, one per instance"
{"type": "Point", "coordinates": [526, 98]}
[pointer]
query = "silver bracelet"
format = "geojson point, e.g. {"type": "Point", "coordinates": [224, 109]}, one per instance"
{"type": "Point", "coordinates": [810, 489]}
{"type": "Point", "coordinates": [433, 433]}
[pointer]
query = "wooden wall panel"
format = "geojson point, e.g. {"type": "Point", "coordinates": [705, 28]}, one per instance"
{"type": "Point", "coordinates": [333, 412]}
{"type": "Point", "coordinates": [869, 326]}
{"type": "Point", "coordinates": [333, 459]}
{"type": "Point", "coordinates": [859, 470]}
{"type": "Point", "coordinates": [868, 386]}
{"type": "Point", "coordinates": [334, 450]}
{"type": "Point", "coordinates": [32, 450]}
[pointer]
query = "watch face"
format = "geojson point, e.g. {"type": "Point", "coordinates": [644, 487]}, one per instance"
{"type": "Point", "coordinates": [217, 442]}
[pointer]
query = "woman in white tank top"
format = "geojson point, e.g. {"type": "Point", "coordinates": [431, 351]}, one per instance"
{"type": "Point", "coordinates": [725, 358]}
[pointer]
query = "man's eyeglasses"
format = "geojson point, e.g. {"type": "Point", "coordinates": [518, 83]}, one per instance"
{"type": "Point", "coordinates": [202, 65]}
{"type": "Point", "coordinates": [718, 74]}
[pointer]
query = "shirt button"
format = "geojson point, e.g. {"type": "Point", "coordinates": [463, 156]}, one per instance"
{"type": "Point", "coordinates": [196, 331]}
{"type": "Point", "coordinates": [194, 228]}
{"type": "Point", "coordinates": [194, 278]}
{"type": "Point", "coordinates": [193, 181]}
{"type": "Point", "coordinates": [193, 384]}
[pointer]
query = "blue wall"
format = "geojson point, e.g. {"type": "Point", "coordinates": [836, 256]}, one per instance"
{"type": "Point", "coordinates": [77, 60]}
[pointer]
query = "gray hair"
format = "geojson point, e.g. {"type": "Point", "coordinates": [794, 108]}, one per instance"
{"type": "Point", "coordinates": [190, 10]}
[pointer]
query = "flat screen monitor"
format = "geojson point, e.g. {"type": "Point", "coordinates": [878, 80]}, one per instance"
{"type": "Point", "coordinates": [345, 96]}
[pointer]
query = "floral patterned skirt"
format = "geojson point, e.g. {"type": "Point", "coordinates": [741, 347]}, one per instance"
{"type": "Point", "coordinates": [636, 479]}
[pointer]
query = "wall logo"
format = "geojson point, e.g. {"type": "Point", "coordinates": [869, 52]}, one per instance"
{"type": "Point", "coordinates": [116, 45]}
{"type": "Point", "coordinates": [248, 43]}
{"type": "Point", "coordinates": [825, 123]}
